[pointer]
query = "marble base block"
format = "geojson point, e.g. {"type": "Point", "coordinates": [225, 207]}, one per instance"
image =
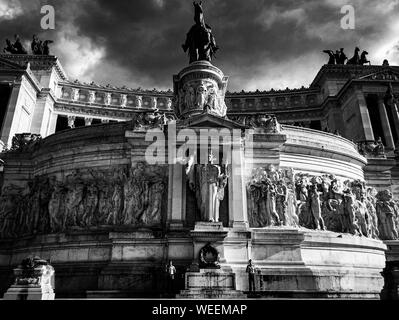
{"type": "Point", "coordinates": [29, 293]}
{"type": "Point", "coordinates": [210, 284]}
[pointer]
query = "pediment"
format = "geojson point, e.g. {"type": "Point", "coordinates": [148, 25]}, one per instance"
{"type": "Point", "coordinates": [386, 74]}
{"type": "Point", "coordinates": [208, 120]}
{"type": "Point", "coordinates": [10, 66]}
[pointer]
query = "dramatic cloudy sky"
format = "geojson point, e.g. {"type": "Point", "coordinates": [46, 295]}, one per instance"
{"type": "Point", "coordinates": [264, 44]}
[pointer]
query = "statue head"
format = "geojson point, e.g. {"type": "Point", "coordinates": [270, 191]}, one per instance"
{"type": "Point", "coordinates": [140, 165]}
{"type": "Point", "coordinates": [384, 195]}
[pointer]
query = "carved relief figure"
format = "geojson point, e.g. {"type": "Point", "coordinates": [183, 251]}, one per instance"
{"type": "Point", "coordinates": [211, 100]}
{"type": "Point", "coordinates": [90, 204]}
{"type": "Point", "coordinates": [189, 97]}
{"type": "Point", "coordinates": [92, 96]}
{"type": "Point", "coordinates": [123, 100]}
{"type": "Point", "coordinates": [56, 207]}
{"type": "Point", "coordinates": [84, 200]}
{"type": "Point", "coordinates": [371, 209]}
{"type": "Point", "coordinates": [139, 102]}
{"type": "Point", "coordinates": [315, 203]}
{"type": "Point", "coordinates": [350, 223]}
{"type": "Point", "coordinates": [320, 202]}
{"type": "Point", "coordinates": [107, 99]}
{"type": "Point", "coordinates": [201, 96]}
{"type": "Point", "coordinates": [75, 94]}
{"type": "Point", "coordinates": [387, 213]}
{"type": "Point", "coordinates": [271, 204]}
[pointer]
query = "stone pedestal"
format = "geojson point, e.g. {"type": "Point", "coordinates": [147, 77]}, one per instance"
{"type": "Point", "coordinates": [214, 281]}
{"type": "Point", "coordinates": [29, 293]}
{"type": "Point", "coordinates": [210, 284]}
{"type": "Point", "coordinates": [34, 280]}
{"type": "Point", "coordinates": [391, 271]}
{"type": "Point", "coordinates": [204, 233]}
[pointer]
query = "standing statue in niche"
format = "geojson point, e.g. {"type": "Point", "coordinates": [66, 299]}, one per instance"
{"type": "Point", "coordinates": [208, 182]}
{"type": "Point", "coordinates": [200, 42]}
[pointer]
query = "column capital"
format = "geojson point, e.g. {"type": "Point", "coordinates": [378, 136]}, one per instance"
{"type": "Point", "coordinates": [88, 121]}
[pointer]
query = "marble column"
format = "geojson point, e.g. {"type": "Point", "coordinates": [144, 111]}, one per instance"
{"type": "Point", "coordinates": [237, 192]}
{"type": "Point", "coordinates": [9, 125]}
{"type": "Point", "coordinates": [395, 113]}
{"type": "Point", "coordinates": [386, 127]}
{"type": "Point", "coordinates": [368, 134]}
{"type": "Point", "coordinates": [176, 196]}
{"type": "Point", "coordinates": [52, 123]}
{"type": "Point", "coordinates": [123, 100]}
{"type": "Point", "coordinates": [42, 113]}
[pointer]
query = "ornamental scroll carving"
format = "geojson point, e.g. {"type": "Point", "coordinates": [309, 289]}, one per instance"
{"type": "Point", "coordinates": [324, 202]}
{"type": "Point", "coordinates": [83, 200]}
{"type": "Point", "coordinates": [149, 120]}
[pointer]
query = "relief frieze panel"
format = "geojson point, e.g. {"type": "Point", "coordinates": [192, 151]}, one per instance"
{"type": "Point", "coordinates": [85, 199]}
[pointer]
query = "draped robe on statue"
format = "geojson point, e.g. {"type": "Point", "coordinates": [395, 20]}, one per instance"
{"type": "Point", "coordinates": [208, 183]}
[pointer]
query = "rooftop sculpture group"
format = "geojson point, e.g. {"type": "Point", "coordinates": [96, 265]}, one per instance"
{"type": "Point", "coordinates": [38, 46]}
{"type": "Point", "coordinates": [339, 57]}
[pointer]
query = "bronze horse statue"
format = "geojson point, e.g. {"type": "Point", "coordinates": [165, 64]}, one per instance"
{"type": "Point", "coordinates": [200, 42]}
{"type": "Point", "coordinates": [363, 58]}
{"type": "Point", "coordinates": [356, 58]}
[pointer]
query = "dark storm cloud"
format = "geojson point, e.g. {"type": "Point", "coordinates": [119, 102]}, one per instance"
{"type": "Point", "coordinates": [140, 41]}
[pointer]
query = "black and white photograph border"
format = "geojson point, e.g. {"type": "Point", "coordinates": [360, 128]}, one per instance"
{"type": "Point", "coordinates": [264, 164]}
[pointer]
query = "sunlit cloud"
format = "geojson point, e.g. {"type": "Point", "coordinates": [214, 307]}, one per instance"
{"type": "Point", "coordinates": [10, 9]}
